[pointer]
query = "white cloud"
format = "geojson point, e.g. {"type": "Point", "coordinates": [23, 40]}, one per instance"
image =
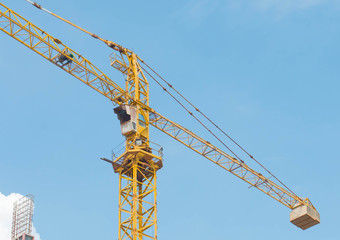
{"type": "Point", "coordinates": [6, 211]}
{"type": "Point", "coordinates": [35, 234]}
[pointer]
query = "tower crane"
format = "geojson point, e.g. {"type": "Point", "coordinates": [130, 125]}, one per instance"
{"type": "Point", "coordinates": [138, 165]}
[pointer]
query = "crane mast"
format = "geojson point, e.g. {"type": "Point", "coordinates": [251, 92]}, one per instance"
{"type": "Point", "coordinates": [138, 165]}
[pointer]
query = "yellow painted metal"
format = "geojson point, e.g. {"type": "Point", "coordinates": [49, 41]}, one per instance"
{"type": "Point", "coordinates": [110, 44]}
{"type": "Point", "coordinates": [137, 200]}
{"type": "Point", "coordinates": [51, 49]}
{"type": "Point", "coordinates": [138, 88]}
{"type": "Point", "coordinates": [227, 162]}
{"type": "Point", "coordinates": [137, 167]}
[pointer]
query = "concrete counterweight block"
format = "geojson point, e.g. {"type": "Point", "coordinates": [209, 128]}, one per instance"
{"type": "Point", "coordinates": [304, 217]}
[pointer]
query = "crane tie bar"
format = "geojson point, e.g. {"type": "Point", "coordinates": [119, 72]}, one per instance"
{"type": "Point", "coordinates": [206, 117]}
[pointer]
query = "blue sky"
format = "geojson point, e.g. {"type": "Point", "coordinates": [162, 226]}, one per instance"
{"type": "Point", "coordinates": [267, 71]}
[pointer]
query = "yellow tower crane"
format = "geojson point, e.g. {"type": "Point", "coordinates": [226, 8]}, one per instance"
{"type": "Point", "coordinates": [138, 165]}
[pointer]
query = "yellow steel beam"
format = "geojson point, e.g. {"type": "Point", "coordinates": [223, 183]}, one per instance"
{"type": "Point", "coordinates": [137, 202]}
{"type": "Point", "coordinates": [227, 162]}
{"type": "Point", "coordinates": [51, 49]}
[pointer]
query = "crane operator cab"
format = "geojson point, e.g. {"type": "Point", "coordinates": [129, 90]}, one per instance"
{"type": "Point", "coordinates": [65, 58]}
{"type": "Point", "coordinates": [127, 116]}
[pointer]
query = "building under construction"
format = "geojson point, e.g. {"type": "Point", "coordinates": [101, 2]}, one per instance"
{"type": "Point", "coordinates": [22, 221]}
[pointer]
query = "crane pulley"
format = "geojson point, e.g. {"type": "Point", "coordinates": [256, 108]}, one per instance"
{"type": "Point", "coordinates": [138, 165]}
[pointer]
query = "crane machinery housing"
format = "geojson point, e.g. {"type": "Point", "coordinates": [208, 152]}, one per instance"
{"type": "Point", "coordinates": [138, 165]}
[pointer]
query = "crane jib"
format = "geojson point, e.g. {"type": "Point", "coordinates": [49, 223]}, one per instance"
{"type": "Point", "coordinates": [304, 214]}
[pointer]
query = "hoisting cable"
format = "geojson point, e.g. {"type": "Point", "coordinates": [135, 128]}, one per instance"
{"type": "Point", "coordinates": [192, 114]}
{"type": "Point", "coordinates": [206, 117]}
{"type": "Point", "coordinates": [120, 144]}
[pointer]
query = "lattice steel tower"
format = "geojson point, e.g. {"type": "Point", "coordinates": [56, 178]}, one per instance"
{"type": "Point", "coordinates": [137, 166]}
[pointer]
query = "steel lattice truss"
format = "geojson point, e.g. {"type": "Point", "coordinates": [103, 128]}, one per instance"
{"type": "Point", "coordinates": [51, 48]}
{"type": "Point", "coordinates": [224, 160]}
{"type": "Point", "coordinates": [137, 202]}
{"type": "Point", "coordinates": [132, 70]}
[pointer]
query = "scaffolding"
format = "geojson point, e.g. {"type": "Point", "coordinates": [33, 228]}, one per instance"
{"type": "Point", "coordinates": [22, 217]}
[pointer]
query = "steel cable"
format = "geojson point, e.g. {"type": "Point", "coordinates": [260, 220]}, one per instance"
{"type": "Point", "coordinates": [192, 114]}
{"type": "Point", "coordinates": [206, 117]}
